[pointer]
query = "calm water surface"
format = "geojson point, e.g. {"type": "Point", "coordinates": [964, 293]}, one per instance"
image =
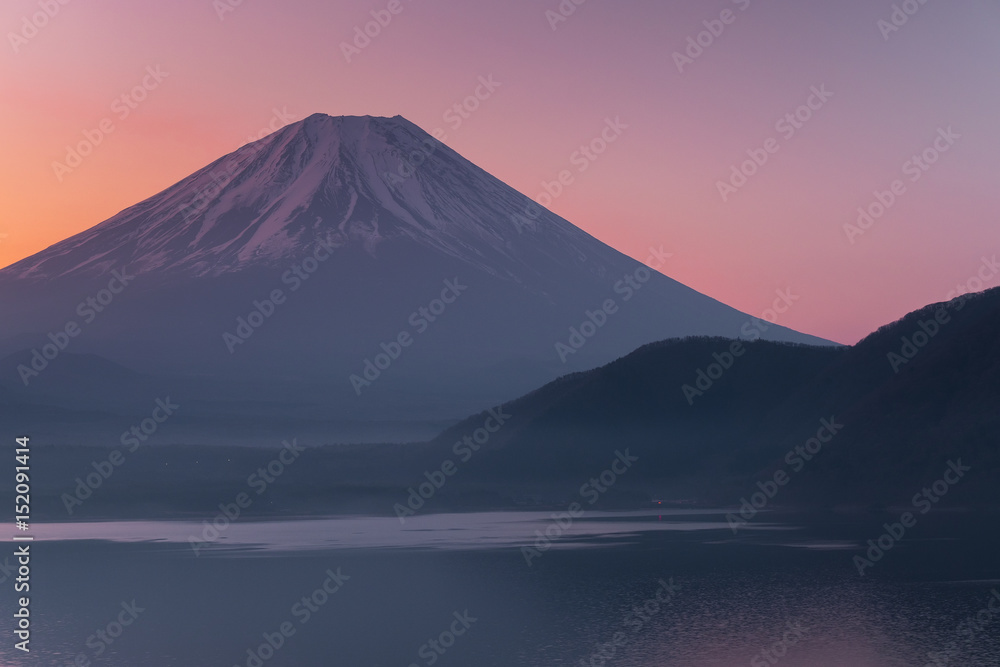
{"type": "Point", "coordinates": [786, 585]}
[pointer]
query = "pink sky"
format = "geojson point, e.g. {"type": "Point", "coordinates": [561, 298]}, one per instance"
{"type": "Point", "coordinates": [221, 80]}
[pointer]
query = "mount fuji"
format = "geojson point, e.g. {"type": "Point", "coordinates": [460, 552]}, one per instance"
{"type": "Point", "coordinates": [342, 268]}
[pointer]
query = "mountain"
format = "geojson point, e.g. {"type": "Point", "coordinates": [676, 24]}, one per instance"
{"type": "Point", "coordinates": [353, 267]}
{"type": "Point", "coordinates": [896, 408]}
{"type": "Point", "coordinates": [888, 435]}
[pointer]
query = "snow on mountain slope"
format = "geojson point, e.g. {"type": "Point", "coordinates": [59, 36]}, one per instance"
{"type": "Point", "coordinates": [334, 180]}
{"type": "Point", "coordinates": [404, 214]}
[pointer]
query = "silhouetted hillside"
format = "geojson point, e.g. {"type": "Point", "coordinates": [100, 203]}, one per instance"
{"type": "Point", "coordinates": [912, 396]}
{"type": "Point", "coordinates": [706, 422]}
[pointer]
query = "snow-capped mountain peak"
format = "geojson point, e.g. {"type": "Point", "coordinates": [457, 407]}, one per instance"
{"type": "Point", "coordinates": [349, 180]}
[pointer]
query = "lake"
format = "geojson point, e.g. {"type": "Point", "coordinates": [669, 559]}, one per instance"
{"type": "Point", "coordinates": [636, 589]}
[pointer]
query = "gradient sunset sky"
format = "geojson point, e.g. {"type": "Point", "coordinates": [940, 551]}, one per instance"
{"type": "Point", "coordinates": [224, 74]}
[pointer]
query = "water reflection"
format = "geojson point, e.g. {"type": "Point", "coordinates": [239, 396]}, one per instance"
{"type": "Point", "coordinates": [480, 530]}
{"type": "Point", "coordinates": [740, 599]}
